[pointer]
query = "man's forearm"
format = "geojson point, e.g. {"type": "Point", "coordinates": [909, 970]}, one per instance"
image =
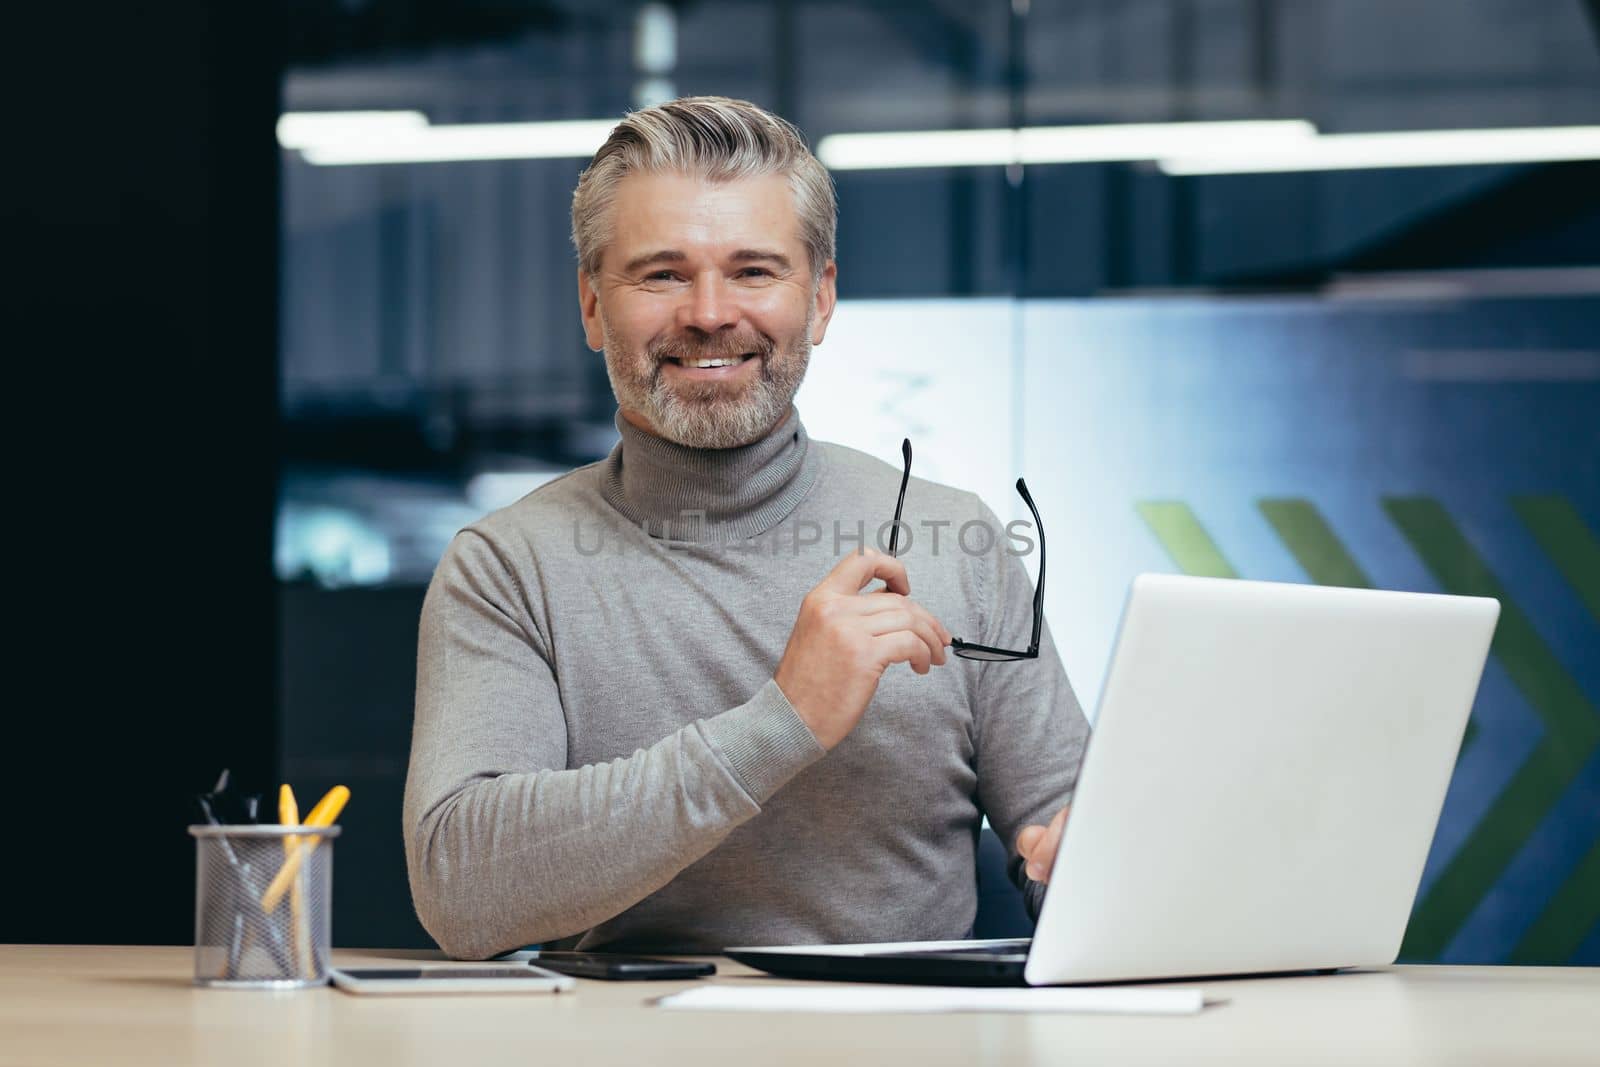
{"type": "Point", "coordinates": [515, 859]}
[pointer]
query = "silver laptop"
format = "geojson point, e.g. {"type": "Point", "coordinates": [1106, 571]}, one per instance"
{"type": "Point", "coordinates": [1266, 772]}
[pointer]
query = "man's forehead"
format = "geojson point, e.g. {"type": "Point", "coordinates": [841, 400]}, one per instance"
{"type": "Point", "coordinates": [687, 213]}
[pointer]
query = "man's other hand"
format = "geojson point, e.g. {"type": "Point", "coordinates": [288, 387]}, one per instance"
{"type": "Point", "coordinates": [844, 639]}
{"type": "Point", "coordinates": [1037, 846]}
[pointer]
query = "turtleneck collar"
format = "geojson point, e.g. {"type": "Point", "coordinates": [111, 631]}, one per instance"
{"type": "Point", "coordinates": [709, 494]}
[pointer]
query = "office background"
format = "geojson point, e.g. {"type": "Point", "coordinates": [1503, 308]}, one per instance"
{"type": "Point", "coordinates": [1382, 375]}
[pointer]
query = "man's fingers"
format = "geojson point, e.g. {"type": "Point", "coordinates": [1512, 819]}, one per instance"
{"type": "Point", "coordinates": [853, 572]}
{"type": "Point", "coordinates": [917, 622]}
{"type": "Point", "coordinates": [1028, 839]}
{"type": "Point", "coordinates": [904, 646]}
{"type": "Point", "coordinates": [923, 626]}
{"type": "Point", "coordinates": [882, 603]}
{"type": "Point", "coordinates": [1043, 862]}
{"type": "Point", "coordinates": [887, 622]}
{"type": "Point", "coordinates": [1037, 845]}
{"type": "Point", "coordinates": [1058, 826]}
{"type": "Point", "coordinates": [881, 600]}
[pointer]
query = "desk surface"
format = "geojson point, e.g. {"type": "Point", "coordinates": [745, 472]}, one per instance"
{"type": "Point", "coordinates": [80, 1004]}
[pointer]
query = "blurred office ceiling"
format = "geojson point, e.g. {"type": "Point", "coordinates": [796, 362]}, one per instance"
{"type": "Point", "coordinates": [334, 31]}
{"type": "Point", "coordinates": [431, 301]}
{"type": "Point", "coordinates": [1348, 66]}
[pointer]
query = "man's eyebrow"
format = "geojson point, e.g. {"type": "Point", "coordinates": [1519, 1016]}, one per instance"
{"type": "Point", "coordinates": [745, 255]}
{"type": "Point", "coordinates": [665, 255]}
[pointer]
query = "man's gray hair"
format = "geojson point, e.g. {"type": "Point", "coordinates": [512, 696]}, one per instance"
{"type": "Point", "coordinates": [710, 137]}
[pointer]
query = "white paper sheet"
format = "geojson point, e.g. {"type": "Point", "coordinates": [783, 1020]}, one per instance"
{"type": "Point", "coordinates": [865, 998]}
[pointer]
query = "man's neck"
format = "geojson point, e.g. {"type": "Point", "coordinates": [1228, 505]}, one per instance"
{"type": "Point", "coordinates": [634, 418]}
{"type": "Point", "coordinates": [719, 494]}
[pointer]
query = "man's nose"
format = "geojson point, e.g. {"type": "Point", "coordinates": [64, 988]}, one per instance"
{"type": "Point", "coordinates": [711, 304]}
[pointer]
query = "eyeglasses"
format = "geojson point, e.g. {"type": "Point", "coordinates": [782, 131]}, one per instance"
{"type": "Point", "coordinates": [966, 649]}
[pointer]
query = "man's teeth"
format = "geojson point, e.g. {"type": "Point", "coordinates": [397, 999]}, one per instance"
{"type": "Point", "coordinates": [723, 362]}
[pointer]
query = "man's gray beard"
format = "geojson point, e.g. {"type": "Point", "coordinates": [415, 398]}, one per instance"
{"type": "Point", "coordinates": [703, 416]}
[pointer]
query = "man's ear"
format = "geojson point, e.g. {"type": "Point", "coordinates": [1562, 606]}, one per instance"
{"type": "Point", "coordinates": [826, 299]}
{"type": "Point", "coordinates": [589, 307]}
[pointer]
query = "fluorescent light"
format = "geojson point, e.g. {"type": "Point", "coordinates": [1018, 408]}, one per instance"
{"type": "Point", "coordinates": [470, 141]}
{"type": "Point", "coordinates": [1155, 140]}
{"type": "Point", "coordinates": [305, 129]}
{"type": "Point", "coordinates": [334, 138]}
{"type": "Point", "coordinates": [1413, 148]}
{"type": "Point", "coordinates": [1050, 144]}
{"type": "Point", "coordinates": [923, 148]}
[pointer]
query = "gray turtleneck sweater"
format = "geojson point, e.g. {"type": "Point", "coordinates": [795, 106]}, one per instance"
{"type": "Point", "coordinates": [601, 758]}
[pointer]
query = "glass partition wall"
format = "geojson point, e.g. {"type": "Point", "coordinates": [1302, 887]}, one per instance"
{"type": "Point", "coordinates": [1301, 290]}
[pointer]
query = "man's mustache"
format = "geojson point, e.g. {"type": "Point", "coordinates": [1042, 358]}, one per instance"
{"type": "Point", "coordinates": [711, 346]}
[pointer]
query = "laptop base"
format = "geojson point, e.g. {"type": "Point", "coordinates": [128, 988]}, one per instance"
{"type": "Point", "coordinates": [911, 967]}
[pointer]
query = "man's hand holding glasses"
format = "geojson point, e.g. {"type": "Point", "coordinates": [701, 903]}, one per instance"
{"type": "Point", "coordinates": [843, 640]}
{"type": "Point", "coordinates": [1037, 845]}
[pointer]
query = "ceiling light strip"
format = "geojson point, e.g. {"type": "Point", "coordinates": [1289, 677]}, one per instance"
{"type": "Point", "coordinates": [1413, 148]}
{"type": "Point", "coordinates": [1050, 144]}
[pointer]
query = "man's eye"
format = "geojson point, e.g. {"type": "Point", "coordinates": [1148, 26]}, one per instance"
{"type": "Point", "coordinates": [660, 276]}
{"type": "Point", "coordinates": [755, 272]}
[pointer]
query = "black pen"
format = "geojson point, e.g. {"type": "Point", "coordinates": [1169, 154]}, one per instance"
{"type": "Point", "coordinates": [275, 947]}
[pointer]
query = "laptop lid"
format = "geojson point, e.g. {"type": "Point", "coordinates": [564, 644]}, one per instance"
{"type": "Point", "coordinates": [1261, 789]}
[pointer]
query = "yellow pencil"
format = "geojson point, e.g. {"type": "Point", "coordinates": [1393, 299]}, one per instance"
{"type": "Point", "coordinates": [327, 810]}
{"type": "Point", "coordinates": [289, 815]}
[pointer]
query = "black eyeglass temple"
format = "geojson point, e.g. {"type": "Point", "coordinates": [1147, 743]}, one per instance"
{"type": "Point", "coordinates": [899, 506]}
{"type": "Point", "coordinates": [1038, 589]}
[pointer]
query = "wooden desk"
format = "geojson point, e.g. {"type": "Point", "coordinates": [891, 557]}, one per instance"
{"type": "Point", "coordinates": [82, 1005]}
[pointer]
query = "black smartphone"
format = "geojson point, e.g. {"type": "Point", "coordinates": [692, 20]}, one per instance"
{"type": "Point", "coordinates": [616, 968]}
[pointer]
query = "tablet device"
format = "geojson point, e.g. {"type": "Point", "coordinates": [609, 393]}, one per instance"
{"type": "Point", "coordinates": [520, 978]}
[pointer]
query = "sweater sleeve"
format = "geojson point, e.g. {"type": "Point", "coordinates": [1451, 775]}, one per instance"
{"type": "Point", "coordinates": [505, 845]}
{"type": "Point", "coordinates": [1031, 733]}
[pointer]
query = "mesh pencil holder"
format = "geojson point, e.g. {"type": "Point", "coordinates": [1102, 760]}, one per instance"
{"type": "Point", "coordinates": [262, 905]}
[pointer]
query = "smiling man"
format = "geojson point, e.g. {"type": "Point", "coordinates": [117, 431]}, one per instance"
{"type": "Point", "coordinates": [706, 359]}
{"type": "Point", "coordinates": [662, 703]}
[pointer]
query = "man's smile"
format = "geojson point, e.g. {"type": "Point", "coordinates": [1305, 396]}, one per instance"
{"type": "Point", "coordinates": [709, 368]}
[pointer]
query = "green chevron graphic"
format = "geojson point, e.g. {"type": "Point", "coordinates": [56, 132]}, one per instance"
{"type": "Point", "coordinates": [1320, 553]}
{"type": "Point", "coordinates": [1312, 542]}
{"type": "Point", "coordinates": [1572, 730]}
{"type": "Point", "coordinates": [1557, 934]}
{"type": "Point", "coordinates": [1572, 546]}
{"type": "Point", "coordinates": [1185, 540]}
{"type": "Point", "coordinates": [1575, 908]}
{"type": "Point", "coordinates": [1572, 727]}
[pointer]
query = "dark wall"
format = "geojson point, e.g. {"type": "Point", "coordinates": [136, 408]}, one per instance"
{"type": "Point", "coordinates": [141, 217]}
{"type": "Point", "coordinates": [349, 668]}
